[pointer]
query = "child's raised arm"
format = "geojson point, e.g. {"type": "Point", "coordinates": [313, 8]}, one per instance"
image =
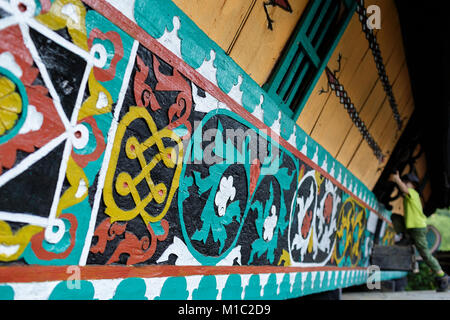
{"type": "Point", "coordinates": [401, 185]}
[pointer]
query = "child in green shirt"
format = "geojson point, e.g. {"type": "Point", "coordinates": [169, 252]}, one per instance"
{"type": "Point", "coordinates": [416, 224]}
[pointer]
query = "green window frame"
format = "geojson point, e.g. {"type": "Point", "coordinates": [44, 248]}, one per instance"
{"type": "Point", "coordinates": [307, 53]}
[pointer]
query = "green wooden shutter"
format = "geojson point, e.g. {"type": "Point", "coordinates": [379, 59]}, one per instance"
{"type": "Point", "coordinates": [307, 53]}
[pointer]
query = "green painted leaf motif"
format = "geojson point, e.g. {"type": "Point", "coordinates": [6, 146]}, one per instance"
{"type": "Point", "coordinates": [212, 222]}
{"type": "Point", "coordinates": [233, 211]}
{"type": "Point", "coordinates": [187, 182]}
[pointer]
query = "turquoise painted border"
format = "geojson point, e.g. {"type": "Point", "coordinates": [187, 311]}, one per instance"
{"type": "Point", "coordinates": [291, 285]}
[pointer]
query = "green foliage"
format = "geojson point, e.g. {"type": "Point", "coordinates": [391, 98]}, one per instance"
{"type": "Point", "coordinates": [424, 280]}
{"type": "Point", "coordinates": [441, 221]}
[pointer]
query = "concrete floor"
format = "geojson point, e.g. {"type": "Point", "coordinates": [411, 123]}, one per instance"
{"type": "Point", "coordinates": [406, 295]}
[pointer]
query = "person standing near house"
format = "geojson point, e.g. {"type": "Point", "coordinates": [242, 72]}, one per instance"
{"type": "Point", "coordinates": [416, 224]}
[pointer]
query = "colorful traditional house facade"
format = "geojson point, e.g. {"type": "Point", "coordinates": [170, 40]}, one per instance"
{"type": "Point", "coordinates": [195, 149]}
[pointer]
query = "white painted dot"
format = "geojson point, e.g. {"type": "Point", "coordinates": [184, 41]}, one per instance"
{"type": "Point", "coordinates": [102, 100]}
{"type": "Point", "coordinates": [23, 8]}
{"type": "Point", "coordinates": [99, 55]}
{"type": "Point", "coordinates": [52, 235]}
{"type": "Point", "coordinates": [80, 136]}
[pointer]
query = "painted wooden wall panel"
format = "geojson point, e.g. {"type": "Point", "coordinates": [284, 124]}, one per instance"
{"type": "Point", "coordinates": [389, 37]}
{"type": "Point", "coordinates": [385, 127]}
{"type": "Point", "coordinates": [258, 58]}
{"type": "Point", "coordinates": [368, 112]}
{"type": "Point", "coordinates": [316, 103]}
{"type": "Point", "coordinates": [384, 131]}
{"type": "Point", "coordinates": [371, 108]}
{"type": "Point", "coordinates": [234, 25]}
{"type": "Point", "coordinates": [334, 123]}
{"type": "Point", "coordinates": [119, 98]}
{"type": "Point", "coordinates": [326, 120]}
{"type": "Point", "coordinates": [220, 20]}
{"type": "Point", "coordinates": [314, 106]}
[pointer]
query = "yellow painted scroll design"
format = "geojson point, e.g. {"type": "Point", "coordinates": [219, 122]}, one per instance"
{"type": "Point", "coordinates": [389, 235]}
{"type": "Point", "coordinates": [124, 185]}
{"type": "Point", "coordinates": [349, 221]}
{"type": "Point", "coordinates": [18, 240]}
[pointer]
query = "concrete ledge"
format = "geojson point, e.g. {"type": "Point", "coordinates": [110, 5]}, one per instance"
{"type": "Point", "coordinates": [406, 295]}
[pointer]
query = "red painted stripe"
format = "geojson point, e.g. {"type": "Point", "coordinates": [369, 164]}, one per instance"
{"type": "Point", "coordinates": [25, 274]}
{"type": "Point", "coordinates": [153, 45]}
